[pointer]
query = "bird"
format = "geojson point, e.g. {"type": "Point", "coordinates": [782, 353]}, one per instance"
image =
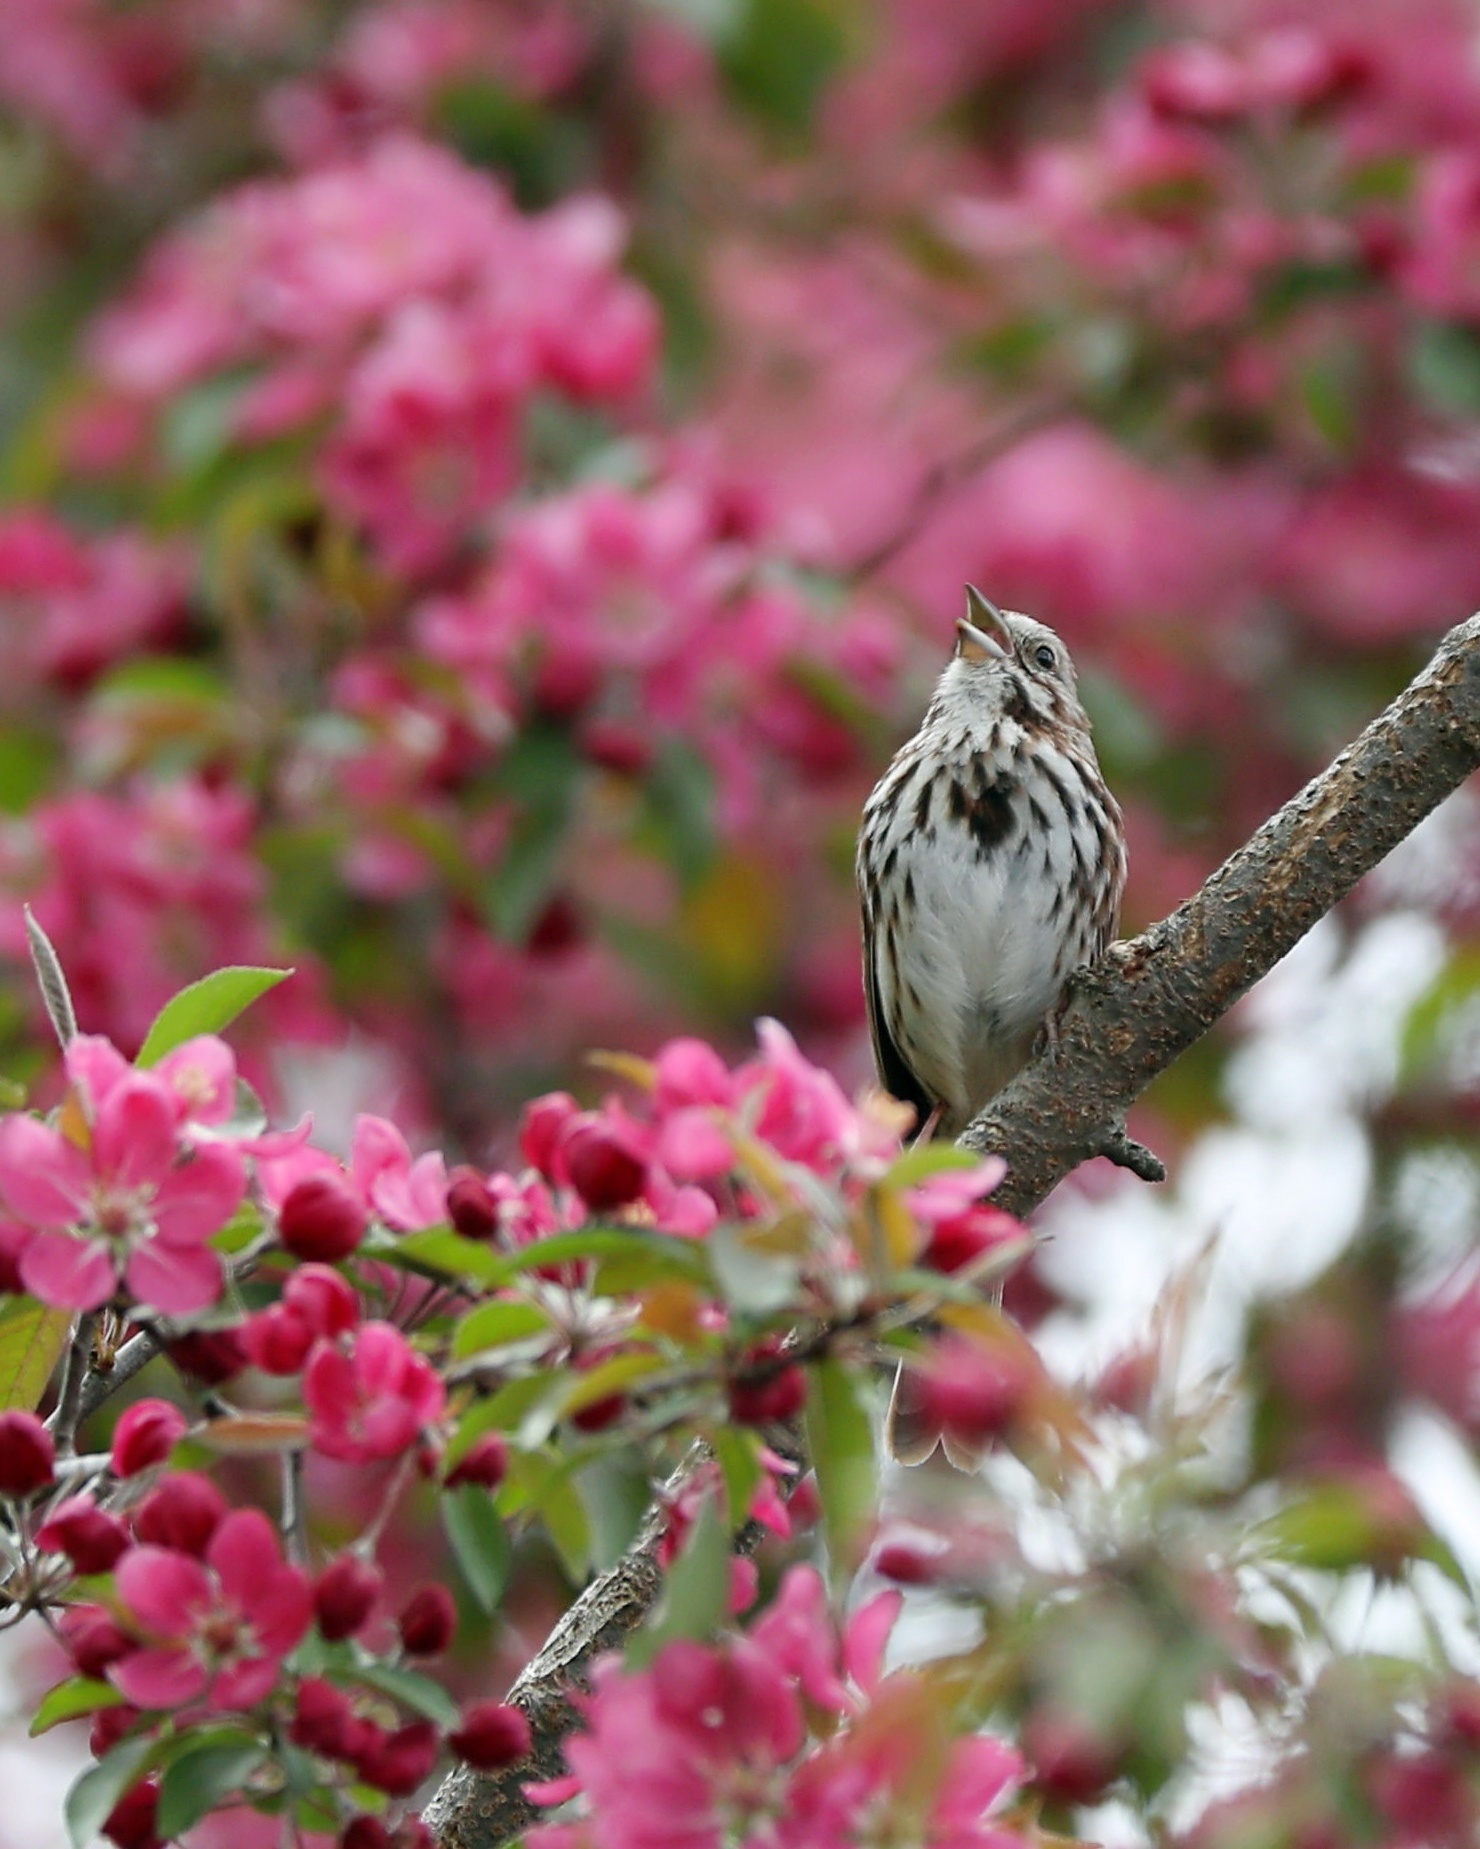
{"type": "Point", "coordinates": [991, 864]}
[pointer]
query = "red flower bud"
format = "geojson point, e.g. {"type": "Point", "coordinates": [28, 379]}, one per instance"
{"type": "Point", "coordinates": [131, 1821]}
{"type": "Point", "coordinates": [92, 1639]}
{"type": "Point", "coordinates": [604, 1166]}
{"type": "Point", "coordinates": [971, 1392]}
{"type": "Point", "coordinates": [327, 1302]}
{"type": "Point", "coordinates": [211, 1356]}
{"type": "Point", "coordinates": [485, 1461]}
{"type": "Point", "coordinates": [181, 1512]}
{"type": "Point", "coordinates": [492, 1734]}
{"type": "Point", "coordinates": [908, 1563]}
{"type": "Point", "coordinates": [344, 1596]}
{"type": "Point", "coordinates": [321, 1218]}
{"type": "Point", "coordinates": [90, 1538]}
{"type": "Point", "coordinates": [26, 1454]}
{"type": "Point", "coordinates": [540, 1130]}
{"type": "Point", "coordinates": [1069, 1760]}
{"type": "Point", "coordinates": [145, 1435]}
{"type": "Point", "coordinates": [277, 1339]}
{"type": "Point", "coordinates": [625, 750]}
{"type": "Point", "coordinates": [365, 1833]}
{"type": "Point", "coordinates": [771, 1392]}
{"type": "Point", "coordinates": [323, 1719]}
{"type": "Point", "coordinates": [470, 1204]}
{"type": "Point", "coordinates": [396, 1763]}
{"type": "Point", "coordinates": [109, 1725]}
{"type": "Point", "coordinates": [428, 1621]}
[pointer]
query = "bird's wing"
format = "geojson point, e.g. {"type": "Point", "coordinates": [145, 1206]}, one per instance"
{"type": "Point", "coordinates": [894, 1072]}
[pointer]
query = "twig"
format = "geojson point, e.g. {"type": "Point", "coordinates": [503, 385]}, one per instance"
{"type": "Point", "coordinates": [65, 1420]}
{"type": "Point", "coordinates": [102, 1383]}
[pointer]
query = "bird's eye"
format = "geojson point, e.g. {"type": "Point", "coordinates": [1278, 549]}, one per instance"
{"type": "Point", "coordinates": [1044, 656]}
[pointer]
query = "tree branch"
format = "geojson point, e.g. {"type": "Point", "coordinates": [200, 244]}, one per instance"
{"type": "Point", "coordinates": [1146, 1002]}
{"type": "Point", "coordinates": [1129, 1017]}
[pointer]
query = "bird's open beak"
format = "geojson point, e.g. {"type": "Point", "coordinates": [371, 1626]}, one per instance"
{"type": "Point", "coordinates": [982, 634]}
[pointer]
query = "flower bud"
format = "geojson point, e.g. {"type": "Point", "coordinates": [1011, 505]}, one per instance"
{"type": "Point", "coordinates": [277, 1339]}
{"type": "Point", "coordinates": [396, 1763]}
{"type": "Point", "coordinates": [211, 1356]}
{"type": "Point", "coordinates": [130, 1823]}
{"type": "Point", "coordinates": [90, 1538]}
{"type": "Point", "coordinates": [27, 1454]}
{"type": "Point", "coordinates": [91, 1638]}
{"type": "Point", "coordinates": [604, 1167]}
{"type": "Point", "coordinates": [485, 1461]}
{"type": "Point", "coordinates": [344, 1596]}
{"type": "Point", "coordinates": [491, 1734]}
{"type": "Point", "coordinates": [470, 1204]}
{"type": "Point", "coordinates": [181, 1512]}
{"type": "Point", "coordinates": [428, 1621]}
{"type": "Point", "coordinates": [540, 1129]}
{"type": "Point", "coordinates": [322, 1219]}
{"type": "Point", "coordinates": [109, 1725]}
{"type": "Point", "coordinates": [326, 1302]}
{"type": "Point", "coordinates": [322, 1718]}
{"type": "Point", "coordinates": [145, 1435]}
{"type": "Point", "coordinates": [625, 750]}
{"type": "Point", "coordinates": [365, 1833]}
{"type": "Point", "coordinates": [766, 1392]}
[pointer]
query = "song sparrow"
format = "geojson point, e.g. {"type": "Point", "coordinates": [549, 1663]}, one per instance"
{"type": "Point", "coordinates": [991, 864]}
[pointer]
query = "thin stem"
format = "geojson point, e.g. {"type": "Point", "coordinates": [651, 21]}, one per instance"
{"type": "Point", "coordinates": [295, 1525]}
{"type": "Point", "coordinates": [102, 1383]}
{"type": "Point", "coordinates": [76, 1370]}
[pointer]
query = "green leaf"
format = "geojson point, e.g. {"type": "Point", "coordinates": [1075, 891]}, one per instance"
{"type": "Point", "coordinates": [606, 1378]}
{"type": "Point", "coordinates": [200, 1778]}
{"type": "Point", "coordinates": [697, 1595]}
{"type": "Point", "coordinates": [480, 1542]}
{"type": "Point", "coordinates": [608, 1242]}
{"type": "Point", "coordinates": [77, 1695]}
{"type": "Point", "coordinates": [539, 774]}
{"type": "Point", "coordinates": [840, 1438]}
{"type": "Point", "coordinates": [495, 1325]}
{"type": "Point", "coordinates": [551, 1496]}
{"type": "Point", "coordinates": [737, 1449]}
{"type": "Point", "coordinates": [206, 1007]}
{"type": "Point", "coordinates": [678, 811]}
{"type": "Point", "coordinates": [617, 1493]}
{"type": "Point", "coordinates": [417, 1692]}
{"type": "Point", "coordinates": [780, 60]}
{"type": "Point", "coordinates": [99, 1789]}
{"type": "Point", "coordinates": [443, 1250]}
{"type": "Point", "coordinates": [1444, 367]}
{"type": "Point", "coordinates": [756, 1283]}
{"type": "Point", "coordinates": [927, 1159]}
{"type": "Point", "coordinates": [32, 1338]}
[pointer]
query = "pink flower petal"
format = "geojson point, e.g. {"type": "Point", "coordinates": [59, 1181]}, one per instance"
{"type": "Point", "coordinates": [45, 1180]}
{"type": "Point", "coordinates": [165, 1590]}
{"type": "Point", "coordinates": [244, 1548]}
{"type": "Point", "coordinates": [865, 1639]}
{"type": "Point", "coordinates": [242, 1685]}
{"type": "Point", "coordinates": [195, 1201]}
{"type": "Point", "coordinates": [158, 1678]}
{"type": "Point", "coordinates": [176, 1279]}
{"type": "Point", "coordinates": [202, 1075]}
{"type": "Point", "coordinates": [68, 1273]}
{"type": "Point", "coordinates": [134, 1139]}
{"type": "Point", "coordinates": [96, 1067]}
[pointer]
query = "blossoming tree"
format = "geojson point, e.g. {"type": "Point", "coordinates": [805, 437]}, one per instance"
{"type": "Point", "coordinates": [482, 485]}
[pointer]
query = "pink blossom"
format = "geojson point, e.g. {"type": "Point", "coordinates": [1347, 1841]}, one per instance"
{"type": "Point", "coordinates": [373, 1400]}
{"type": "Point", "coordinates": [407, 1193]}
{"type": "Point", "coordinates": [216, 1629]}
{"type": "Point", "coordinates": [317, 1304]}
{"type": "Point", "coordinates": [802, 1113]}
{"type": "Point", "coordinates": [126, 1201]}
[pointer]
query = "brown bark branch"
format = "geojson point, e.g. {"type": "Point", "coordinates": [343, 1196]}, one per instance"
{"type": "Point", "coordinates": [1129, 1018]}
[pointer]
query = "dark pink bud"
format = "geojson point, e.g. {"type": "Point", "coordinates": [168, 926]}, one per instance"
{"type": "Point", "coordinates": [766, 1392]}
{"type": "Point", "coordinates": [396, 1763]}
{"type": "Point", "coordinates": [323, 1720]}
{"type": "Point", "coordinates": [602, 1163]}
{"type": "Point", "coordinates": [131, 1821]}
{"type": "Point", "coordinates": [322, 1219]}
{"type": "Point", "coordinates": [92, 1639]}
{"type": "Point", "coordinates": [344, 1596]}
{"type": "Point", "coordinates": [971, 1392]}
{"type": "Point", "coordinates": [90, 1538]}
{"type": "Point", "coordinates": [211, 1356]}
{"type": "Point", "coordinates": [908, 1563]}
{"type": "Point", "coordinates": [277, 1339]}
{"type": "Point", "coordinates": [485, 1461]}
{"type": "Point", "coordinates": [109, 1725]}
{"type": "Point", "coordinates": [625, 750]}
{"type": "Point", "coordinates": [1069, 1761]}
{"type": "Point", "coordinates": [558, 928]}
{"type": "Point", "coordinates": [428, 1621]}
{"type": "Point", "coordinates": [470, 1204]}
{"type": "Point", "coordinates": [145, 1435]}
{"type": "Point", "coordinates": [26, 1454]}
{"type": "Point", "coordinates": [326, 1302]}
{"type": "Point", "coordinates": [365, 1833]}
{"type": "Point", "coordinates": [492, 1734]}
{"type": "Point", "coordinates": [540, 1131]}
{"type": "Point", "coordinates": [965, 1237]}
{"type": "Point", "coordinates": [1458, 1719]}
{"type": "Point", "coordinates": [182, 1512]}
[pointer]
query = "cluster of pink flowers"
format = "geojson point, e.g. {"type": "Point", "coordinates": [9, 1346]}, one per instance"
{"type": "Point", "coordinates": [788, 1735]}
